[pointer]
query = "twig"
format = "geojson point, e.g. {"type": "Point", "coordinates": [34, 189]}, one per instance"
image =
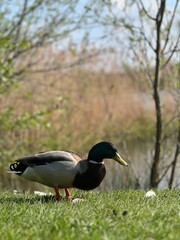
{"type": "Point", "coordinates": [174, 162]}
{"type": "Point", "coordinates": [170, 25]}
{"type": "Point", "coordinates": [146, 12]}
{"type": "Point", "coordinates": [172, 52]}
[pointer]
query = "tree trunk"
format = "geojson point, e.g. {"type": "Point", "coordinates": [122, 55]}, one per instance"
{"type": "Point", "coordinates": [154, 177]}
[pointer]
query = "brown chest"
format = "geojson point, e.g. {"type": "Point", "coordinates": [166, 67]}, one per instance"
{"type": "Point", "coordinates": [91, 178]}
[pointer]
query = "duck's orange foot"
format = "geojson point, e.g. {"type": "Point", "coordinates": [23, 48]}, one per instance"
{"type": "Point", "coordinates": [58, 195]}
{"type": "Point", "coordinates": [68, 195]}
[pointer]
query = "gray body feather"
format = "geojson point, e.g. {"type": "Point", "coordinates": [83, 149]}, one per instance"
{"type": "Point", "coordinates": [53, 168]}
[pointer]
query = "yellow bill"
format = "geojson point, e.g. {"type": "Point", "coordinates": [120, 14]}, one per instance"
{"type": "Point", "coordinates": [119, 159]}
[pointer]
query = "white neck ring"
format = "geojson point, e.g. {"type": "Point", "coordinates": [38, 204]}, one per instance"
{"type": "Point", "coordinates": [94, 162]}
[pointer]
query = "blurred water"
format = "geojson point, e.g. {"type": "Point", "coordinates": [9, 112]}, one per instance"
{"type": "Point", "coordinates": [139, 157]}
{"type": "Point", "coordinates": [137, 174]}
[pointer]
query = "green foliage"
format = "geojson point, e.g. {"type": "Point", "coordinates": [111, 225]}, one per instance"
{"type": "Point", "coordinates": [17, 133]}
{"type": "Point", "coordinates": [142, 129]}
{"type": "Point", "coordinates": [113, 215]}
{"type": "Point", "coordinates": [6, 67]}
{"type": "Point", "coordinates": [24, 28]}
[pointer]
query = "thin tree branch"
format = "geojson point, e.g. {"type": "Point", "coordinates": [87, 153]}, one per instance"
{"type": "Point", "coordinates": [143, 66]}
{"type": "Point", "coordinates": [172, 52]}
{"type": "Point", "coordinates": [165, 172]}
{"type": "Point", "coordinates": [146, 12]}
{"type": "Point", "coordinates": [170, 26]}
{"type": "Point", "coordinates": [19, 23]}
{"type": "Point", "coordinates": [72, 64]}
{"type": "Point", "coordinates": [147, 40]}
{"type": "Point", "coordinates": [171, 120]}
{"type": "Point", "coordinates": [177, 185]}
{"type": "Point", "coordinates": [26, 13]}
{"type": "Point", "coordinates": [142, 31]}
{"type": "Point", "coordinates": [177, 152]}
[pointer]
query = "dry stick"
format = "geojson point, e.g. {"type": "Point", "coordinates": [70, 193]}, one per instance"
{"type": "Point", "coordinates": [177, 151]}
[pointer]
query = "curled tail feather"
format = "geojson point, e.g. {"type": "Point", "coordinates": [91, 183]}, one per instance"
{"type": "Point", "coordinates": [17, 168]}
{"type": "Point", "coordinates": [14, 166]}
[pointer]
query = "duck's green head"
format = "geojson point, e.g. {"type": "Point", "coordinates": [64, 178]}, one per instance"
{"type": "Point", "coordinates": [104, 150]}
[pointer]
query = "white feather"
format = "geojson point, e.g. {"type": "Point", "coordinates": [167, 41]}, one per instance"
{"type": "Point", "coordinates": [15, 172]}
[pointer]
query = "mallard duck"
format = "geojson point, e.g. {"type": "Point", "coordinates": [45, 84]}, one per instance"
{"type": "Point", "coordinates": [67, 169]}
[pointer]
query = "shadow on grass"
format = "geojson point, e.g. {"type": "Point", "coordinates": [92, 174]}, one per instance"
{"type": "Point", "coordinates": [21, 198]}
{"type": "Point", "coordinates": [28, 199]}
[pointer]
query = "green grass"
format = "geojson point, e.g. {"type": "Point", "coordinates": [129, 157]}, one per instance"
{"type": "Point", "coordinates": [125, 214]}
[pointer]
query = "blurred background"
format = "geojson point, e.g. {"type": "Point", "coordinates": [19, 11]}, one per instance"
{"type": "Point", "coordinates": [73, 73]}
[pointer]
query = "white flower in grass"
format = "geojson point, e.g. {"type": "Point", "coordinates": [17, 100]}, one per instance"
{"type": "Point", "coordinates": [40, 193]}
{"type": "Point", "coordinates": [150, 194]}
{"type": "Point", "coordinates": [77, 200]}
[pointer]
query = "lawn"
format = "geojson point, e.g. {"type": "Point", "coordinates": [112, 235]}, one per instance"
{"type": "Point", "coordinates": [122, 214]}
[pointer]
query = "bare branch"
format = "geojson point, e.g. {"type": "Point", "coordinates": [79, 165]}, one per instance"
{"type": "Point", "coordinates": [147, 40]}
{"type": "Point", "coordinates": [177, 185]}
{"type": "Point", "coordinates": [165, 172]}
{"type": "Point", "coordinates": [175, 49]}
{"type": "Point", "coordinates": [170, 26]}
{"type": "Point", "coordinates": [24, 13]}
{"type": "Point", "coordinates": [174, 162]}
{"type": "Point", "coordinates": [145, 11]}
{"type": "Point", "coordinates": [143, 66]}
{"type": "Point", "coordinates": [79, 61]}
{"type": "Point", "coordinates": [142, 31]}
{"type": "Point", "coordinates": [135, 30]}
{"type": "Point", "coordinates": [175, 117]}
{"type": "Point", "coordinates": [19, 23]}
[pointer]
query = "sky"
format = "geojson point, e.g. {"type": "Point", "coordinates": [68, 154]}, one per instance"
{"type": "Point", "coordinates": [130, 13]}
{"type": "Point", "coordinates": [97, 32]}
{"type": "Point", "coordinates": [148, 3]}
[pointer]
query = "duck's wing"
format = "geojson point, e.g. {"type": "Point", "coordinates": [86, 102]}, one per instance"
{"type": "Point", "coordinates": [77, 156]}
{"type": "Point", "coordinates": [54, 168]}
{"type": "Point", "coordinates": [44, 158]}
{"type": "Point", "coordinates": [49, 157]}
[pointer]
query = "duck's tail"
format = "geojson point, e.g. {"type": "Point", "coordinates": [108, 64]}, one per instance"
{"type": "Point", "coordinates": [16, 168]}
